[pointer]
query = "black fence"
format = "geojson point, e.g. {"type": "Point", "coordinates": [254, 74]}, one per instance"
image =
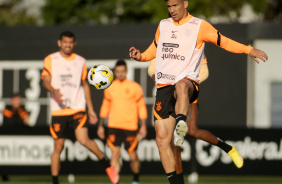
{"type": "Point", "coordinates": [28, 152]}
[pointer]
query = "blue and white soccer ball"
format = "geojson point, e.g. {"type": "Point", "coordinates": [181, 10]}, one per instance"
{"type": "Point", "coordinates": [100, 76]}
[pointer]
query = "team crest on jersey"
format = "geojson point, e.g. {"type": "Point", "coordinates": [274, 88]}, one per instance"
{"type": "Point", "coordinates": [158, 106]}
{"type": "Point", "coordinates": [174, 36]}
{"type": "Point", "coordinates": [57, 127]}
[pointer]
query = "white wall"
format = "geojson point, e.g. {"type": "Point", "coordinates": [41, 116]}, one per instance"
{"type": "Point", "coordinates": [263, 75]}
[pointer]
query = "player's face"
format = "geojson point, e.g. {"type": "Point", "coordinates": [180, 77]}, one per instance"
{"type": "Point", "coordinates": [120, 72]}
{"type": "Point", "coordinates": [177, 9]}
{"type": "Point", "coordinates": [16, 102]}
{"type": "Point", "coordinates": [66, 45]}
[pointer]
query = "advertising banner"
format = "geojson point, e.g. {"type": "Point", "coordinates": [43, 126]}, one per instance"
{"type": "Point", "coordinates": [29, 152]}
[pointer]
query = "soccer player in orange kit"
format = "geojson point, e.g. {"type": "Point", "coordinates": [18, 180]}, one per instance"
{"type": "Point", "coordinates": [178, 48]}
{"type": "Point", "coordinates": [124, 104]}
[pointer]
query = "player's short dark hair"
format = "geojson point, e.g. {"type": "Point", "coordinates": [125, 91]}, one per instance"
{"type": "Point", "coordinates": [121, 62]}
{"type": "Point", "coordinates": [15, 95]}
{"type": "Point", "coordinates": [67, 34]}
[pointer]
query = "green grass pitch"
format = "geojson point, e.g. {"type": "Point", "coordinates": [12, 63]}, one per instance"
{"type": "Point", "coordinates": [147, 179]}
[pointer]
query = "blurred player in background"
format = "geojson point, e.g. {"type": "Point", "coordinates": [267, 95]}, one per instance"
{"type": "Point", "coordinates": [178, 48]}
{"type": "Point", "coordinates": [124, 104]}
{"type": "Point", "coordinates": [64, 76]}
{"type": "Point", "coordinates": [15, 115]}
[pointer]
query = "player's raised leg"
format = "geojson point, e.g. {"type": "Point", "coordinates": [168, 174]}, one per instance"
{"type": "Point", "coordinates": [81, 135]}
{"type": "Point", "coordinates": [207, 136]}
{"type": "Point", "coordinates": [55, 159]}
{"type": "Point", "coordinates": [183, 92]}
{"type": "Point", "coordinates": [164, 129]}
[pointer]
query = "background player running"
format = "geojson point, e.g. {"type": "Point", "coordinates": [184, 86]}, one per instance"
{"type": "Point", "coordinates": [124, 104]}
{"type": "Point", "coordinates": [178, 48]}
{"type": "Point", "coordinates": [64, 76]}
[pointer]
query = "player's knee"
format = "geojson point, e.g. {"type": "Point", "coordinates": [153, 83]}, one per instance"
{"type": "Point", "coordinates": [162, 142]}
{"type": "Point", "coordinates": [58, 149]}
{"type": "Point", "coordinates": [181, 86]}
{"type": "Point", "coordinates": [115, 155]}
{"type": "Point", "coordinates": [133, 156]}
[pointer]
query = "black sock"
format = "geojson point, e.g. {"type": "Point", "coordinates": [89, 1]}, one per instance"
{"type": "Point", "coordinates": [225, 147]}
{"type": "Point", "coordinates": [105, 162]}
{"type": "Point", "coordinates": [172, 178]}
{"type": "Point", "coordinates": [55, 179]}
{"type": "Point", "coordinates": [136, 177]}
{"type": "Point", "coordinates": [180, 178]}
{"type": "Point", "coordinates": [180, 117]}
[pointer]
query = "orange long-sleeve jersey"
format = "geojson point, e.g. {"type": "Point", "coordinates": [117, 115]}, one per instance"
{"type": "Point", "coordinates": [124, 104]}
{"type": "Point", "coordinates": [207, 33]}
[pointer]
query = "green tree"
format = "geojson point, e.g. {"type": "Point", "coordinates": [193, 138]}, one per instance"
{"type": "Point", "coordinates": [132, 11]}
{"type": "Point", "coordinates": [10, 16]}
{"type": "Point", "coordinates": [88, 12]}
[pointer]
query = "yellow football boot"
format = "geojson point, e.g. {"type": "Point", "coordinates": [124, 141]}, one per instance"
{"type": "Point", "coordinates": [236, 157]}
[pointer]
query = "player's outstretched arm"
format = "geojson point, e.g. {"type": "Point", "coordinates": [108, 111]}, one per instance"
{"type": "Point", "coordinates": [135, 54]}
{"type": "Point", "coordinates": [256, 53]}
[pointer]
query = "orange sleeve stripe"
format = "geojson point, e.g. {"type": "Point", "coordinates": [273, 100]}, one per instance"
{"type": "Point", "coordinates": [157, 116]}
{"type": "Point", "coordinates": [7, 113]}
{"type": "Point", "coordinates": [134, 145]}
{"type": "Point", "coordinates": [54, 135]}
{"type": "Point", "coordinates": [233, 46]}
{"type": "Point", "coordinates": [111, 145]}
{"type": "Point", "coordinates": [82, 122]}
{"type": "Point", "coordinates": [196, 101]}
{"type": "Point", "coordinates": [84, 73]}
{"type": "Point", "coordinates": [208, 33]}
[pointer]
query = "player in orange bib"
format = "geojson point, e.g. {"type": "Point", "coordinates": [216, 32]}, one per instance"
{"type": "Point", "coordinates": [64, 76]}
{"type": "Point", "coordinates": [124, 105]}
{"type": "Point", "coordinates": [178, 48]}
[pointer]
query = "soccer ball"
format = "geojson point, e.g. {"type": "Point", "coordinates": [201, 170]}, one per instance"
{"type": "Point", "coordinates": [100, 77]}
